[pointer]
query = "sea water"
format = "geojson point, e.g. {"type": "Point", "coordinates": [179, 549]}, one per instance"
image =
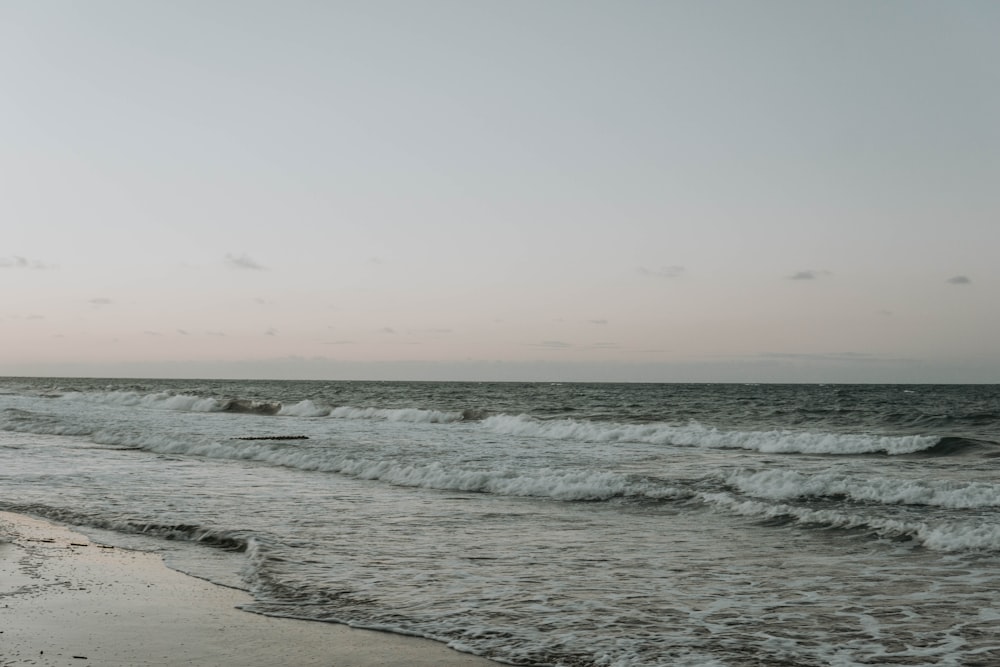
{"type": "Point", "coordinates": [550, 524]}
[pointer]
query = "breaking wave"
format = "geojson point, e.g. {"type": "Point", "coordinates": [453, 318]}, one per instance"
{"type": "Point", "coordinates": [567, 485]}
{"type": "Point", "coordinates": [413, 415]}
{"type": "Point", "coordinates": [789, 484]}
{"type": "Point", "coordinates": [955, 536]}
{"type": "Point", "coordinates": [305, 408]}
{"type": "Point", "coordinates": [692, 434]}
{"type": "Point", "coordinates": [157, 401]}
{"type": "Point", "coordinates": [215, 537]}
{"type": "Point", "coordinates": [697, 435]}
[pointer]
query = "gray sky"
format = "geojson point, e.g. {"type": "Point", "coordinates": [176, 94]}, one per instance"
{"type": "Point", "coordinates": [657, 191]}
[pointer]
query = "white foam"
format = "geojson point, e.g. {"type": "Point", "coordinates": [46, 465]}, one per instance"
{"type": "Point", "coordinates": [45, 428]}
{"type": "Point", "coordinates": [413, 415]}
{"type": "Point", "coordinates": [954, 536]}
{"type": "Point", "coordinates": [304, 409]}
{"type": "Point", "coordinates": [543, 482]}
{"type": "Point", "coordinates": [157, 401]}
{"type": "Point", "coordinates": [696, 435]}
{"type": "Point", "coordinates": [788, 484]}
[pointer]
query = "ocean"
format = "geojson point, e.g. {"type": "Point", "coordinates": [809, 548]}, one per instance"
{"type": "Point", "coordinates": [568, 524]}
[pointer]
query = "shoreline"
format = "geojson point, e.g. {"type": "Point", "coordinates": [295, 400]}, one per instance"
{"type": "Point", "coordinates": [65, 600]}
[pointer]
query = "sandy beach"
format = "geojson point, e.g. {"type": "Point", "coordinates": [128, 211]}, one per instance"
{"type": "Point", "coordinates": [67, 601]}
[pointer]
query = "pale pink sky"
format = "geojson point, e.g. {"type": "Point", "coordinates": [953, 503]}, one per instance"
{"type": "Point", "coordinates": [681, 191]}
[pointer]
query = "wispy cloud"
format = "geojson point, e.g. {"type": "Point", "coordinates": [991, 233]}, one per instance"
{"type": "Point", "coordinates": [244, 262]}
{"type": "Point", "coordinates": [854, 357]}
{"type": "Point", "coordinates": [100, 301]}
{"type": "Point", "coordinates": [808, 274]}
{"type": "Point", "coordinates": [18, 262]}
{"type": "Point", "coordinates": [271, 332]}
{"type": "Point", "coordinates": [598, 321]}
{"type": "Point", "coordinates": [662, 272]}
{"type": "Point", "coordinates": [959, 280]}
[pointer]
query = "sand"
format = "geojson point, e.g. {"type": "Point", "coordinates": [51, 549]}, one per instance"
{"type": "Point", "coordinates": [67, 601]}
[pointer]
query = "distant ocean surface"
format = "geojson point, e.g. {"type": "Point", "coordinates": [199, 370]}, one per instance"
{"type": "Point", "coordinates": [550, 524]}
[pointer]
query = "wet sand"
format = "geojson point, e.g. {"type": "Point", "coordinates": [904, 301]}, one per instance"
{"type": "Point", "coordinates": [67, 601]}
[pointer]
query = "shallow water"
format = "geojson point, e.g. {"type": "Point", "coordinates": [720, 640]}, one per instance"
{"type": "Point", "coordinates": [551, 524]}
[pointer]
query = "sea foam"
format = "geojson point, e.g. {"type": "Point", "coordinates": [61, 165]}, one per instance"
{"type": "Point", "coordinates": [789, 484]}
{"type": "Point", "coordinates": [944, 536]}
{"type": "Point", "coordinates": [697, 435]}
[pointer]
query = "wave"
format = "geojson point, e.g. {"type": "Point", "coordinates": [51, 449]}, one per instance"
{"type": "Point", "coordinates": [157, 401]}
{"type": "Point", "coordinates": [697, 435]}
{"type": "Point", "coordinates": [177, 402]}
{"type": "Point", "coordinates": [974, 419]}
{"type": "Point", "coordinates": [567, 485]}
{"type": "Point", "coordinates": [692, 434]}
{"type": "Point", "coordinates": [214, 537]}
{"type": "Point", "coordinates": [952, 446]}
{"type": "Point", "coordinates": [413, 415]}
{"type": "Point", "coordinates": [952, 536]}
{"type": "Point", "coordinates": [789, 484]}
{"type": "Point", "coordinates": [26, 421]}
{"type": "Point", "coordinates": [581, 485]}
{"type": "Point", "coordinates": [305, 408]}
{"type": "Point", "coordinates": [245, 406]}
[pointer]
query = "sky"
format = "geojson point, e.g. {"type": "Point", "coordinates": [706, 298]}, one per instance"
{"type": "Point", "coordinates": [553, 190]}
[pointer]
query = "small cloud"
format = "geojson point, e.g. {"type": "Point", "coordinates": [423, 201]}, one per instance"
{"type": "Point", "coordinates": [388, 330]}
{"type": "Point", "coordinates": [36, 317]}
{"type": "Point", "coordinates": [151, 333]}
{"type": "Point", "coordinates": [598, 321]}
{"type": "Point", "coordinates": [808, 274]}
{"type": "Point", "coordinates": [375, 260]}
{"type": "Point", "coordinates": [553, 344]}
{"type": "Point", "coordinates": [959, 280]}
{"type": "Point", "coordinates": [100, 301]}
{"type": "Point", "coordinates": [260, 300]}
{"type": "Point", "coordinates": [17, 262]}
{"type": "Point", "coordinates": [183, 332]}
{"type": "Point", "coordinates": [340, 342]}
{"type": "Point", "coordinates": [662, 272]}
{"type": "Point", "coordinates": [243, 262]}
{"type": "Point", "coordinates": [216, 333]}
{"type": "Point", "coordinates": [604, 346]}
{"type": "Point", "coordinates": [271, 332]}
